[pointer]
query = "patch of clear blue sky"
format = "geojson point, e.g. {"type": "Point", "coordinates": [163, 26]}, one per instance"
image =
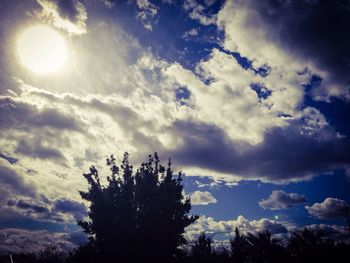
{"type": "Point", "coordinates": [244, 198]}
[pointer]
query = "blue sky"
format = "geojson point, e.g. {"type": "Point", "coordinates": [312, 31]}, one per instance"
{"type": "Point", "coordinates": [250, 99]}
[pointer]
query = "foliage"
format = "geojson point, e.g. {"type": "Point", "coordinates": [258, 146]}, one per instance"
{"type": "Point", "coordinates": [239, 247]}
{"type": "Point", "coordinates": [302, 246]}
{"type": "Point", "coordinates": [201, 250]}
{"type": "Point", "coordinates": [51, 254]}
{"type": "Point", "coordinates": [137, 216]}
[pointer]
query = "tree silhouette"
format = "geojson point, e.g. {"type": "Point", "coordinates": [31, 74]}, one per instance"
{"type": "Point", "coordinates": [309, 245]}
{"type": "Point", "coordinates": [136, 217]}
{"type": "Point", "coordinates": [238, 247]}
{"type": "Point", "coordinates": [263, 248]}
{"type": "Point", "coordinates": [51, 254]}
{"type": "Point", "coordinates": [201, 250]}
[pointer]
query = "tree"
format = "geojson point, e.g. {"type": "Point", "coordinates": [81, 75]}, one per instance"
{"type": "Point", "coordinates": [263, 248]}
{"type": "Point", "coordinates": [238, 247]}
{"type": "Point", "coordinates": [201, 250]}
{"type": "Point", "coordinates": [51, 254]}
{"type": "Point", "coordinates": [136, 217]}
{"type": "Point", "coordinates": [309, 245]}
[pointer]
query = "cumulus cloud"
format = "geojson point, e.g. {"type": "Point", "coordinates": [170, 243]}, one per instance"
{"type": "Point", "coordinates": [69, 15]}
{"type": "Point", "coordinates": [225, 127]}
{"type": "Point", "coordinates": [25, 241]}
{"type": "Point", "coordinates": [246, 139]}
{"type": "Point", "coordinates": [329, 208]}
{"type": "Point", "coordinates": [202, 198]}
{"type": "Point", "coordinates": [279, 200]}
{"type": "Point", "coordinates": [211, 226]}
{"type": "Point", "coordinates": [292, 35]}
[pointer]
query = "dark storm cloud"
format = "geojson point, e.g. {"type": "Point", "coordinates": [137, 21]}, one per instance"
{"type": "Point", "coordinates": [279, 200]}
{"type": "Point", "coordinates": [312, 30]}
{"type": "Point", "coordinates": [284, 155]}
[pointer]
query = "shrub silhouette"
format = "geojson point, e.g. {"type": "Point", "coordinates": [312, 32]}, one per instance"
{"type": "Point", "coordinates": [136, 217]}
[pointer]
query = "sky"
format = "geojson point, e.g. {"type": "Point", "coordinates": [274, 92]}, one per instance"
{"type": "Point", "coordinates": [249, 99]}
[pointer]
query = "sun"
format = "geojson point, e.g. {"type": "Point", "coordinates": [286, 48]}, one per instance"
{"type": "Point", "coordinates": [41, 49]}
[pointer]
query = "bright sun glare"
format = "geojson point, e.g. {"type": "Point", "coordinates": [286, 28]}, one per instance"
{"type": "Point", "coordinates": [41, 49]}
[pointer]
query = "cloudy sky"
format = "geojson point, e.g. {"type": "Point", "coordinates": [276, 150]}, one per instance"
{"type": "Point", "coordinates": [250, 99]}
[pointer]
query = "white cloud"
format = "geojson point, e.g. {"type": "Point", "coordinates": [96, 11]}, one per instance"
{"type": "Point", "coordinates": [196, 11]}
{"type": "Point", "coordinates": [226, 228]}
{"type": "Point", "coordinates": [279, 200]}
{"type": "Point", "coordinates": [250, 28]}
{"type": "Point", "coordinates": [229, 102]}
{"type": "Point", "coordinates": [147, 11]}
{"type": "Point", "coordinates": [190, 33]}
{"type": "Point", "coordinates": [202, 198]}
{"type": "Point", "coordinates": [70, 16]}
{"type": "Point", "coordinates": [329, 208]}
{"type": "Point", "coordinates": [125, 101]}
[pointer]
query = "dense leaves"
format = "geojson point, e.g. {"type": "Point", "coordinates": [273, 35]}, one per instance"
{"type": "Point", "coordinates": [136, 216]}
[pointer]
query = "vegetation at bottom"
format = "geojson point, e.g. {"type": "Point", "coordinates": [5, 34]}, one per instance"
{"type": "Point", "coordinates": [141, 216]}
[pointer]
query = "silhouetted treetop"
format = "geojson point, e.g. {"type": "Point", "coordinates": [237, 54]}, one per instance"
{"type": "Point", "coordinates": [136, 215]}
